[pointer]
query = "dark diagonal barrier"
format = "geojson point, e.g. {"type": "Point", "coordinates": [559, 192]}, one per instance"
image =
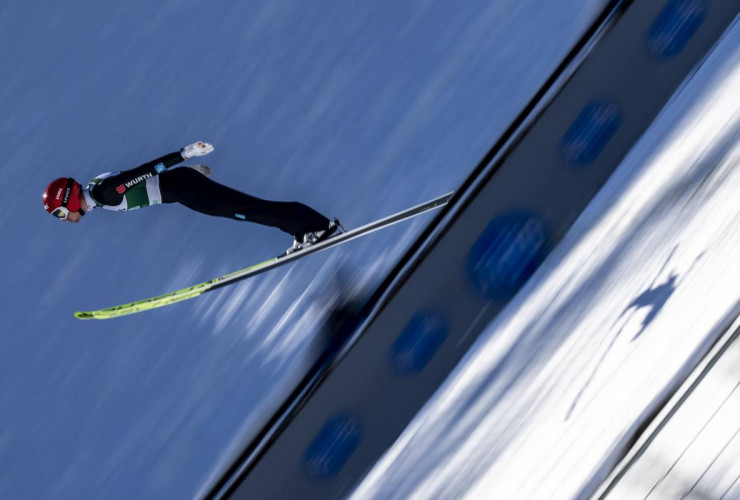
{"type": "Point", "coordinates": [500, 226]}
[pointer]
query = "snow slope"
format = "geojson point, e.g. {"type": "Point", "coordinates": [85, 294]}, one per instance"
{"type": "Point", "coordinates": [356, 110]}
{"type": "Point", "coordinates": [549, 395]}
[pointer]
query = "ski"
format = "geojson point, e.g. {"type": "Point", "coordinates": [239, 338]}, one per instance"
{"type": "Point", "coordinates": [242, 274]}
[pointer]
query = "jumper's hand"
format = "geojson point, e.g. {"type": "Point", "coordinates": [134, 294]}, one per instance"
{"type": "Point", "coordinates": [203, 169]}
{"type": "Point", "coordinates": [196, 149]}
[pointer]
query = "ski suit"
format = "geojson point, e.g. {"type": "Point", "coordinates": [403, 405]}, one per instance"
{"type": "Point", "coordinates": [154, 182]}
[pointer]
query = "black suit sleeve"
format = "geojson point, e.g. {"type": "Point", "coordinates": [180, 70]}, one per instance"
{"type": "Point", "coordinates": [110, 191]}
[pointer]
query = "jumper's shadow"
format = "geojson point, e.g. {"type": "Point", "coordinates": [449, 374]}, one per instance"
{"type": "Point", "coordinates": [654, 299]}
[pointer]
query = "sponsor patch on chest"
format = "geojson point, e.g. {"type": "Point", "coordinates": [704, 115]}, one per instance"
{"type": "Point", "coordinates": [127, 185]}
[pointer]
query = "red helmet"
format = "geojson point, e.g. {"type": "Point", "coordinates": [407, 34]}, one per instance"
{"type": "Point", "coordinates": [62, 196]}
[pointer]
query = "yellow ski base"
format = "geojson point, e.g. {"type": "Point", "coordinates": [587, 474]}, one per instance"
{"type": "Point", "coordinates": [170, 298]}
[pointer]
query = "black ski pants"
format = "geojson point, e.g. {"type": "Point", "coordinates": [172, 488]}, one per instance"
{"type": "Point", "coordinates": [196, 191]}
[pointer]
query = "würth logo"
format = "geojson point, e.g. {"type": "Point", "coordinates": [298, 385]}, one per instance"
{"type": "Point", "coordinates": [121, 189]}
{"type": "Point", "coordinates": [134, 182]}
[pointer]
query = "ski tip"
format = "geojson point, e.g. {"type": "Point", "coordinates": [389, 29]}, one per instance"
{"type": "Point", "coordinates": [83, 315]}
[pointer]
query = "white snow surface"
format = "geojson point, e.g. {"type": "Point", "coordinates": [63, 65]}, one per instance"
{"type": "Point", "coordinates": [546, 399]}
{"type": "Point", "coordinates": [692, 448]}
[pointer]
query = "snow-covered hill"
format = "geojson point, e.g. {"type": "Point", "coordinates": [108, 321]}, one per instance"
{"type": "Point", "coordinates": [644, 282]}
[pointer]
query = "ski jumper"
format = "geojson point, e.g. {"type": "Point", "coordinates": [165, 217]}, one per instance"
{"type": "Point", "coordinates": [153, 183]}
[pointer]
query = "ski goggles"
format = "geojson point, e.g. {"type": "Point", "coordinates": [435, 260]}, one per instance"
{"type": "Point", "coordinates": [61, 213]}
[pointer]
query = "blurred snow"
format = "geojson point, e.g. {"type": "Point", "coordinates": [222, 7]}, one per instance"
{"type": "Point", "coordinates": [356, 110]}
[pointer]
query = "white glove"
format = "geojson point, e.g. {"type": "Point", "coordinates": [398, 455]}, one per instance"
{"type": "Point", "coordinates": [196, 149]}
{"type": "Point", "coordinates": [203, 169]}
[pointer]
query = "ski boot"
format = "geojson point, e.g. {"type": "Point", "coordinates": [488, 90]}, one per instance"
{"type": "Point", "coordinates": [335, 228]}
{"type": "Point", "coordinates": [297, 245]}
{"type": "Point", "coordinates": [314, 237]}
